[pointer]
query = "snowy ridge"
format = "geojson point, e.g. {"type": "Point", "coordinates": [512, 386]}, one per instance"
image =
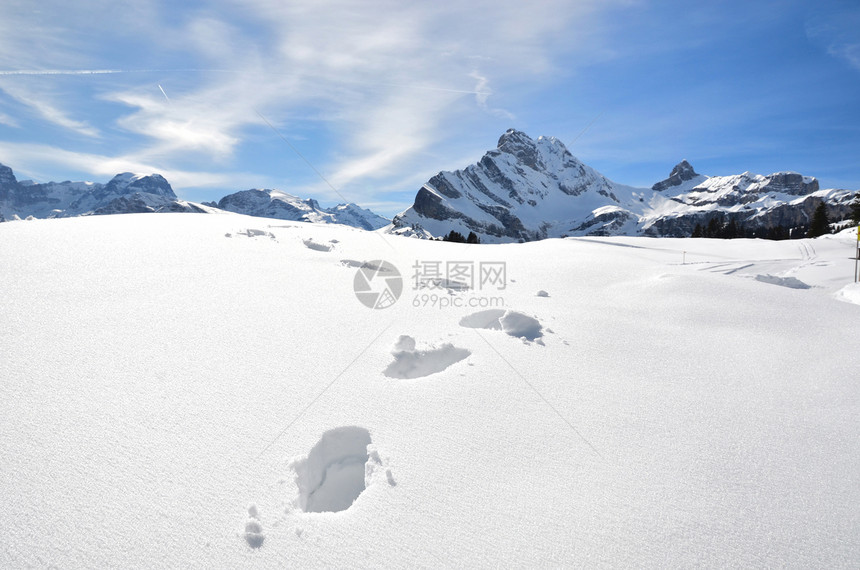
{"type": "Point", "coordinates": [528, 189]}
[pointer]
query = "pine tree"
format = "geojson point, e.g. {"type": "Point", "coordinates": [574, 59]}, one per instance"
{"type": "Point", "coordinates": [698, 231]}
{"type": "Point", "coordinates": [730, 231]}
{"type": "Point", "coordinates": [455, 236]}
{"type": "Point", "coordinates": [855, 210]}
{"type": "Point", "coordinates": [820, 223]}
{"type": "Point", "coordinates": [472, 238]}
{"type": "Point", "coordinates": [713, 229]}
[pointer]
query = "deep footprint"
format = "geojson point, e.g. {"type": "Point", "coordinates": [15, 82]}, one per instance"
{"type": "Point", "coordinates": [513, 323]}
{"type": "Point", "coordinates": [332, 476]}
{"type": "Point", "coordinates": [411, 363]}
{"type": "Point", "coordinates": [316, 246]}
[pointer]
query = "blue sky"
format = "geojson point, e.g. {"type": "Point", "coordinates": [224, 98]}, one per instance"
{"type": "Point", "coordinates": [380, 96]}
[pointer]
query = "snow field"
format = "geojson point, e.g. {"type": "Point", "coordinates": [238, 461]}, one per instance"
{"type": "Point", "coordinates": [159, 377]}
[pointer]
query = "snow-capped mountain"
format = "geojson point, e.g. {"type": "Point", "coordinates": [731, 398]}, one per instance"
{"type": "Point", "coordinates": [124, 193]}
{"type": "Point", "coordinates": [522, 190]}
{"type": "Point", "coordinates": [533, 189]}
{"type": "Point", "coordinates": [283, 206]}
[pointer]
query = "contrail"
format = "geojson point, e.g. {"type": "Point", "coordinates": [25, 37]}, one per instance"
{"type": "Point", "coordinates": [105, 71]}
{"type": "Point", "coordinates": [12, 72]}
{"type": "Point", "coordinates": [588, 126]}
{"type": "Point", "coordinates": [165, 94]}
{"type": "Point", "coordinates": [61, 71]}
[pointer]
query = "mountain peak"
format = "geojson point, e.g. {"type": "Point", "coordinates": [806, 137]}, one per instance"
{"type": "Point", "coordinates": [682, 172]}
{"type": "Point", "coordinates": [129, 183]}
{"type": "Point", "coordinates": [7, 177]}
{"type": "Point", "coordinates": [532, 153]}
{"type": "Point", "coordinates": [513, 139]}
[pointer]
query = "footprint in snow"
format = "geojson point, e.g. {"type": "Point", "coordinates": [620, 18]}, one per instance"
{"type": "Point", "coordinates": [316, 246]}
{"type": "Point", "coordinates": [251, 233]}
{"type": "Point", "coordinates": [513, 323]}
{"type": "Point", "coordinates": [253, 529]}
{"type": "Point", "coordinates": [412, 363]}
{"type": "Point", "coordinates": [338, 469]}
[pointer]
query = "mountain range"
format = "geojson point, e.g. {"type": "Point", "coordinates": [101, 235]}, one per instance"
{"type": "Point", "coordinates": [124, 193]}
{"type": "Point", "coordinates": [523, 190]}
{"type": "Point", "coordinates": [283, 206]}
{"type": "Point", "coordinates": [136, 193]}
{"type": "Point", "coordinates": [527, 190]}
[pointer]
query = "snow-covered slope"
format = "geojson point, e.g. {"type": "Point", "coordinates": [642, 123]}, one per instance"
{"type": "Point", "coordinates": [283, 206]}
{"type": "Point", "coordinates": [124, 193]}
{"type": "Point", "coordinates": [532, 189]}
{"type": "Point", "coordinates": [209, 392]}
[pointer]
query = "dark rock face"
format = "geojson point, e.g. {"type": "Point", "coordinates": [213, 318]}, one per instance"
{"type": "Point", "coordinates": [430, 206]}
{"type": "Point", "coordinates": [8, 181]}
{"type": "Point", "coordinates": [790, 183]}
{"type": "Point", "coordinates": [682, 172]}
{"type": "Point", "coordinates": [518, 144]}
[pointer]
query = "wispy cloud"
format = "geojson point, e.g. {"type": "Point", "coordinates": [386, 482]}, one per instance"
{"type": "Point", "coordinates": [8, 121]}
{"type": "Point", "coordinates": [837, 29]}
{"type": "Point", "coordinates": [36, 159]}
{"type": "Point", "coordinates": [50, 111]}
{"type": "Point", "coordinates": [385, 82]}
{"type": "Point", "coordinates": [482, 95]}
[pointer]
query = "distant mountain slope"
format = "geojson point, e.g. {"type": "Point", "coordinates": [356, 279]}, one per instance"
{"type": "Point", "coordinates": [137, 193]}
{"type": "Point", "coordinates": [283, 206]}
{"type": "Point", "coordinates": [529, 189]}
{"type": "Point", "coordinates": [124, 193]}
